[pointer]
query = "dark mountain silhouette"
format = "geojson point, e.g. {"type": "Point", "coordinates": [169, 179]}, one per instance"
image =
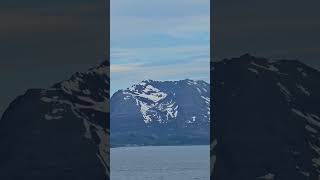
{"type": "Point", "coordinates": [60, 132]}
{"type": "Point", "coordinates": [266, 119]}
{"type": "Point", "coordinates": [161, 113]}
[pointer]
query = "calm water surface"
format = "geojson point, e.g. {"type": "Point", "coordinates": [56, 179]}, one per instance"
{"type": "Point", "coordinates": [160, 163]}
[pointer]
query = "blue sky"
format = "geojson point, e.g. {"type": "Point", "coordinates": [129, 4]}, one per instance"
{"type": "Point", "coordinates": [159, 40]}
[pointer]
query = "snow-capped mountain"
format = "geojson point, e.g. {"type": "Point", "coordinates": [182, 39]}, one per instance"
{"type": "Point", "coordinates": [266, 119]}
{"type": "Point", "coordinates": [59, 133]}
{"type": "Point", "coordinates": [161, 112]}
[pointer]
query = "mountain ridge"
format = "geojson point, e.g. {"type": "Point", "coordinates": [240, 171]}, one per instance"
{"type": "Point", "coordinates": [64, 130]}
{"type": "Point", "coordinates": [266, 119]}
{"type": "Point", "coordinates": [151, 106]}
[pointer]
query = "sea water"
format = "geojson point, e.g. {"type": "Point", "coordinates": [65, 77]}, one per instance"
{"type": "Point", "coordinates": [160, 163]}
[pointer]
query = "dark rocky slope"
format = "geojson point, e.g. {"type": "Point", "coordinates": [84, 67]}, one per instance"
{"type": "Point", "coordinates": [60, 132]}
{"type": "Point", "coordinates": [266, 120]}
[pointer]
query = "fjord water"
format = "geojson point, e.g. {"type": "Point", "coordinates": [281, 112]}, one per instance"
{"type": "Point", "coordinates": [160, 163]}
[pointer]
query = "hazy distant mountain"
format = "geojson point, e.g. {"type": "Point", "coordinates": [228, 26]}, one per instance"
{"type": "Point", "coordinates": [266, 119]}
{"type": "Point", "coordinates": [59, 133]}
{"type": "Point", "coordinates": [161, 113]}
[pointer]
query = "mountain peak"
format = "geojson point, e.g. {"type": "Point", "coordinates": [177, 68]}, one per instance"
{"type": "Point", "coordinates": [247, 56]}
{"type": "Point", "coordinates": [161, 106]}
{"type": "Point", "coordinates": [106, 63]}
{"type": "Point", "coordinates": [147, 81]}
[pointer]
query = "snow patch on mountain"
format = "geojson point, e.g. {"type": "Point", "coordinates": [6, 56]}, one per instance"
{"type": "Point", "coordinates": [161, 101]}
{"type": "Point", "coordinates": [253, 70]}
{"type": "Point", "coordinates": [85, 98]}
{"type": "Point", "coordinates": [303, 89]}
{"type": "Point", "coordinates": [269, 67]}
{"type": "Point", "coordinates": [311, 118]}
{"type": "Point", "coordinates": [284, 91]}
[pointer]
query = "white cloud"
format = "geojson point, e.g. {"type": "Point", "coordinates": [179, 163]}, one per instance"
{"type": "Point", "coordinates": [161, 40]}
{"type": "Point", "coordinates": [158, 54]}
{"type": "Point", "coordinates": [136, 73]}
{"type": "Point", "coordinates": [132, 65]}
{"type": "Point", "coordinates": [140, 20]}
{"type": "Point", "coordinates": [124, 27]}
{"type": "Point", "coordinates": [117, 68]}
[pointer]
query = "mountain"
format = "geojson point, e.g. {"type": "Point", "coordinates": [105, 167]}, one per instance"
{"type": "Point", "coordinates": [266, 119]}
{"type": "Point", "coordinates": [161, 113]}
{"type": "Point", "coordinates": [59, 133]}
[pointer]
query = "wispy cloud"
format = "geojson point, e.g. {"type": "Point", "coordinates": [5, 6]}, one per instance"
{"type": "Point", "coordinates": [170, 63]}
{"type": "Point", "coordinates": [159, 72]}
{"type": "Point", "coordinates": [162, 40]}
{"type": "Point", "coordinates": [123, 68]}
{"type": "Point", "coordinates": [158, 55]}
{"type": "Point", "coordinates": [124, 28]}
{"type": "Point", "coordinates": [128, 74]}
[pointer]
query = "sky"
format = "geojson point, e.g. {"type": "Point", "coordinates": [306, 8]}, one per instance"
{"type": "Point", "coordinates": [159, 40]}
{"type": "Point", "coordinates": [286, 29]}
{"type": "Point", "coordinates": [45, 42]}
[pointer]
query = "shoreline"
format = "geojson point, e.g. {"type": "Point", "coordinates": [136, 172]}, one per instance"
{"type": "Point", "coordinates": [158, 145]}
